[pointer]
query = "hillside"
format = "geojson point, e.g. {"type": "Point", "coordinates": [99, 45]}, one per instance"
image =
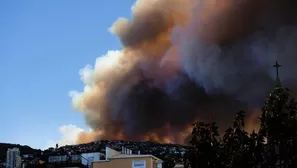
{"type": "Point", "coordinates": [24, 150]}
{"type": "Point", "coordinates": [160, 150]}
{"type": "Point", "coordinates": [144, 147]}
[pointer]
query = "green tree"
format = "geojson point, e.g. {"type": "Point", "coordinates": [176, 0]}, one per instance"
{"type": "Point", "coordinates": [205, 146]}
{"type": "Point", "coordinates": [278, 125]}
{"type": "Point", "coordinates": [256, 148]}
{"type": "Point", "coordinates": [168, 162]}
{"type": "Point", "coordinates": [238, 146]}
{"type": "Point", "coordinates": [190, 158]}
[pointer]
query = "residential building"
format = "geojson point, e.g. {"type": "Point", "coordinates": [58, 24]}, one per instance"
{"type": "Point", "coordinates": [13, 158]}
{"type": "Point", "coordinates": [84, 159]}
{"type": "Point", "coordinates": [116, 159]}
{"type": "Point", "coordinates": [110, 159]}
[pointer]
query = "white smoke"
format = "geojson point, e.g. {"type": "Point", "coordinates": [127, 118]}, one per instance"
{"type": "Point", "coordinates": [69, 136]}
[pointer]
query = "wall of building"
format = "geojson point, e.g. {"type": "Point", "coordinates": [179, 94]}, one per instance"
{"type": "Point", "coordinates": [110, 152]}
{"type": "Point", "coordinates": [123, 163]}
{"type": "Point", "coordinates": [60, 158]}
{"type": "Point", "coordinates": [18, 161]}
{"type": "Point", "coordinates": [13, 159]}
{"type": "Point", "coordinates": [88, 158]}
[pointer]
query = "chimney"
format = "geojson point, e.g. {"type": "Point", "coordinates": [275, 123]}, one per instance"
{"type": "Point", "coordinates": [106, 153]}
{"type": "Point", "coordinates": [123, 150]}
{"type": "Point", "coordinates": [139, 152]}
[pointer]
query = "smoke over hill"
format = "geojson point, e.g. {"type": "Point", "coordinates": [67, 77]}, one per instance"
{"type": "Point", "coordinates": [187, 60]}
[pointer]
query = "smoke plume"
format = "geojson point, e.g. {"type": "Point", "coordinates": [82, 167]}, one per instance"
{"type": "Point", "coordinates": [187, 60]}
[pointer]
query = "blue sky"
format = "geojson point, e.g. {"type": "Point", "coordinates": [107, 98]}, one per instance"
{"type": "Point", "coordinates": [43, 44]}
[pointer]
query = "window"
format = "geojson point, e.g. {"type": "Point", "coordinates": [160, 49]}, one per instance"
{"type": "Point", "coordinates": [138, 164]}
{"type": "Point", "coordinates": [159, 165]}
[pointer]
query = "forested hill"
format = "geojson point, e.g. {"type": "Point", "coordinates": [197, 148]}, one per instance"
{"type": "Point", "coordinates": [24, 150]}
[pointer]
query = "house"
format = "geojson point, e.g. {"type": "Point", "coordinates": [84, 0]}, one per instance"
{"type": "Point", "coordinates": [116, 159]}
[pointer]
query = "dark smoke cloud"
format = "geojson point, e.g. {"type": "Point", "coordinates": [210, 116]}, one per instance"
{"type": "Point", "coordinates": [184, 61]}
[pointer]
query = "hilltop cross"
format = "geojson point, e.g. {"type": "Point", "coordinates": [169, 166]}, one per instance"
{"type": "Point", "coordinates": [276, 66]}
